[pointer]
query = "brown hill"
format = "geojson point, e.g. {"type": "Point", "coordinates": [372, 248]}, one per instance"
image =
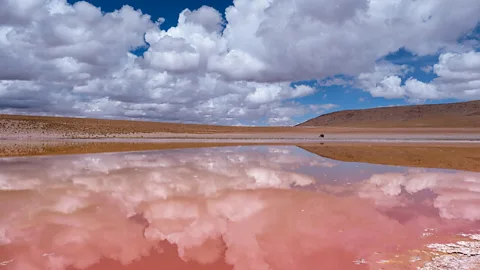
{"type": "Point", "coordinates": [462, 114]}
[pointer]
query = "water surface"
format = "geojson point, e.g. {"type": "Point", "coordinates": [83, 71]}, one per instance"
{"type": "Point", "coordinates": [227, 208]}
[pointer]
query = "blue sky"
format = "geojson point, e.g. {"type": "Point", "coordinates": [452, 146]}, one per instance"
{"type": "Point", "coordinates": [344, 97]}
{"type": "Point", "coordinates": [350, 98]}
{"type": "Point", "coordinates": [197, 72]}
{"type": "Point", "coordinates": [168, 10]}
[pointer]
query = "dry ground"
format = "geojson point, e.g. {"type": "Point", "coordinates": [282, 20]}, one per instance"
{"type": "Point", "coordinates": [65, 126]}
{"type": "Point", "coordinates": [40, 127]}
{"type": "Point", "coordinates": [36, 135]}
{"type": "Point", "coordinates": [446, 156]}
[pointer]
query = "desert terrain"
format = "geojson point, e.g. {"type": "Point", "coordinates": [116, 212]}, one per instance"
{"type": "Point", "coordinates": [440, 136]}
{"type": "Point", "coordinates": [20, 127]}
{"type": "Point", "coordinates": [451, 115]}
{"type": "Point", "coordinates": [445, 155]}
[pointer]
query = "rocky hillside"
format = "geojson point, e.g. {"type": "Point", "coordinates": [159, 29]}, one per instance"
{"type": "Point", "coordinates": [463, 114]}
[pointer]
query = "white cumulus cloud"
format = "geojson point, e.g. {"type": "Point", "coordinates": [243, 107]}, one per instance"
{"type": "Point", "coordinates": [59, 58]}
{"type": "Point", "coordinates": [457, 76]}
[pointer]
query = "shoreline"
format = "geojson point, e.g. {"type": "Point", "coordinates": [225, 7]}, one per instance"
{"type": "Point", "coordinates": [279, 140]}
{"type": "Point", "coordinates": [446, 147]}
{"type": "Point", "coordinates": [435, 154]}
{"type": "Point", "coordinates": [263, 137]}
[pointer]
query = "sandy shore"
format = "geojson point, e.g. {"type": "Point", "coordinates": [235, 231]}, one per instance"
{"type": "Point", "coordinates": [291, 135]}
{"type": "Point", "coordinates": [453, 148]}
{"type": "Point", "coordinates": [445, 155]}
{"type": "Point", "coordinates": [38, 128]}
{"type": "Point", "coordinates": [434, 155]}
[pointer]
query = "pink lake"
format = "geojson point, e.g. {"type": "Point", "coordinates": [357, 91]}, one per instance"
{"type": "Point", "coordinates": [239, 208]}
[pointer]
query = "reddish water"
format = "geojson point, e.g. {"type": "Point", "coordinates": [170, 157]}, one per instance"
{"type": "Point", "coordinates": [226, 208]}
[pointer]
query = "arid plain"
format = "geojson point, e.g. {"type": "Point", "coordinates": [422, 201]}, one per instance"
{"type": "Point", "coordinates": [435, 146]}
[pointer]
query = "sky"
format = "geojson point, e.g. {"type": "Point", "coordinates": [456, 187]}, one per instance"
{"type": "Point", "coordinates": [242, 62]}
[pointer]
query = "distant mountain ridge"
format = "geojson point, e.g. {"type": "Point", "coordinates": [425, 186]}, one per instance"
{"type": "Point", "coordinates": [461, 114]}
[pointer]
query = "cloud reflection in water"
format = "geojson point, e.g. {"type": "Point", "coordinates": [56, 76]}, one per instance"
{"type": "Point", "coordinates": [227, 208]}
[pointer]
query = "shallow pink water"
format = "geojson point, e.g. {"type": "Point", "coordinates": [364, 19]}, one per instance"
{"type": "Point", "coordinates": [225, 208]}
